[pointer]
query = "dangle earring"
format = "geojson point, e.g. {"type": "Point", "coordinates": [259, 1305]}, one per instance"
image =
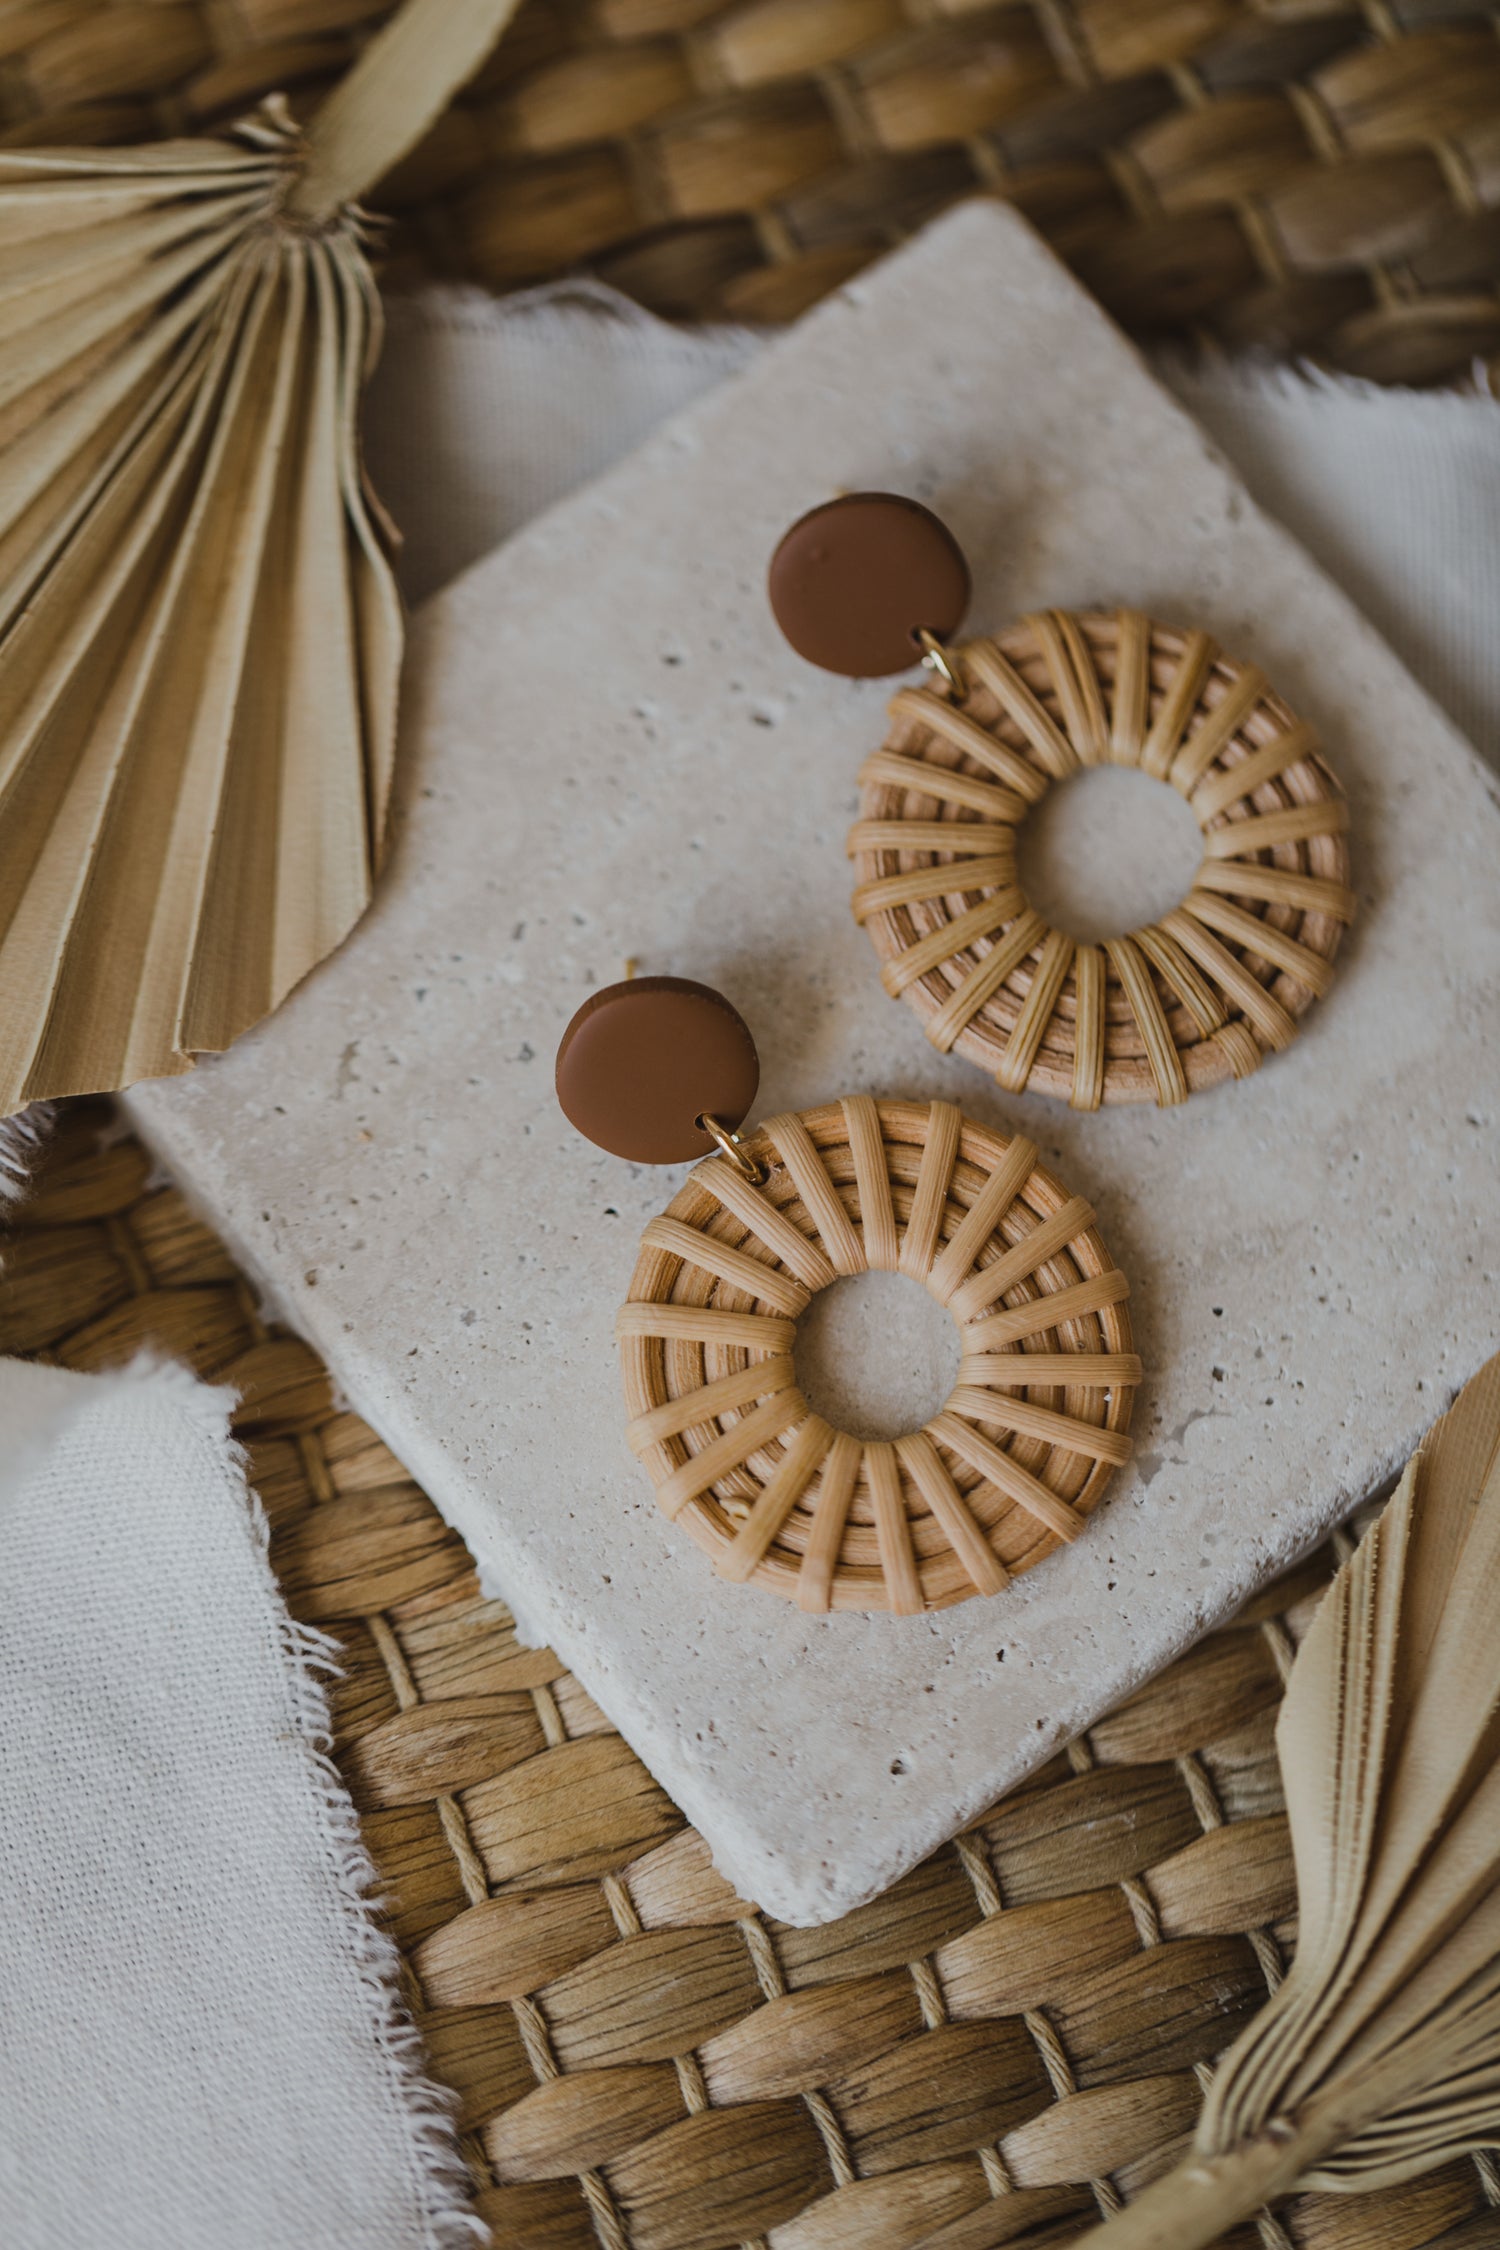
{"type": "Point", "coordinates": [658, 1070]}
{"type": "Point", "coordinates": [868, 584]}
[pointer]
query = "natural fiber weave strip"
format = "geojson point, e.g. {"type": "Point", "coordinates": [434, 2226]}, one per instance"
{"type": "Point", "coordinates": [1298, 180]}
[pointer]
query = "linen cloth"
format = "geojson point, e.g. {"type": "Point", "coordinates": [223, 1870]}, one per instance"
{"type": "Point", "coordinates": [482, 413]}
{"type": "Point", "coordinates": [201, 2042]}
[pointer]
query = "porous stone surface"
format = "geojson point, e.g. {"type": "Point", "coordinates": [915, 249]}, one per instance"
{"type": "Point", "coordinates": [609, 753]}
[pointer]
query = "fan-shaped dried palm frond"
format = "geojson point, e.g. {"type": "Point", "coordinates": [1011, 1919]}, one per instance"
{"type": "Point", "coordinates": [1379, 2056]}
{"type": "Point", "coordinates": [199, 631]}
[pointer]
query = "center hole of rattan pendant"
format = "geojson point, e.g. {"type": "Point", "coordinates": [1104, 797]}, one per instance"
{"type": "Point", "coordinates": [1106, 852]}
{"type": "Point", "coordinates": [876, 1355]}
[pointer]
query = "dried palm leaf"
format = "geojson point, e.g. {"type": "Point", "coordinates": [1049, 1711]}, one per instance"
{"type": "Point", "coordinates": [1379, 2056]}
{"type": "Point", "coordinates": [199, 631]}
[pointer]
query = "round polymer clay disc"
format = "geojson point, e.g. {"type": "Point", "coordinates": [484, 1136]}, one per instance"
{"type": "Point", "coordinates": [855, 580]}
{"type": "Point", "coordinates": [642, 1061]}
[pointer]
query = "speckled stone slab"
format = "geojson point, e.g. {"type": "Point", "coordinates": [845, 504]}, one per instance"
{"type": "Point", "coordinates": [609, 752]}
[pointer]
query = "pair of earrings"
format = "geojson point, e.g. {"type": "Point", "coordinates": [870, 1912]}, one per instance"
{"type": "Point", "coordinates": [660, 1069]}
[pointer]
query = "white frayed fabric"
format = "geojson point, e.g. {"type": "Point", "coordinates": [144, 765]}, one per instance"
{"type": "Point", "coordinates": [1396, 493]}
{"type": "Point", "coordinates": [481, 414]}
{"type": "Point", "coordinates": [202, 2042]}
{"type": "Point", "coordinates": [483, 411]}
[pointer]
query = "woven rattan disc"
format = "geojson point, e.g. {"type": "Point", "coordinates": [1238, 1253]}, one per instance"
{"type": "Point", "coordinates": [1025, 1445]}
{"type": "Point", "coordinates": [1156, 1015]}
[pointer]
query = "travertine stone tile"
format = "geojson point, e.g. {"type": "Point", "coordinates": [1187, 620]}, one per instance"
{"type": "Point", "coordinates": [609, 752]}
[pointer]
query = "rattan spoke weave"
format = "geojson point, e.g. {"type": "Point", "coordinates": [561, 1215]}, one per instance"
{"type": "Point", "coordinates": [1008, 2041]}
{"type": "Point", "coordinates": [1024, 1447]}
{"type": "Point", "coordinates": [1304, 175]}
{"type": "Point", "coordinates": [1153, 1015]}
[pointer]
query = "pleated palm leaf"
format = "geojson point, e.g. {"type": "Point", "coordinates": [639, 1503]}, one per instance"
{"type": "Point", "coordinates": [1379, 2056]}
{"type": "Point", "coordinates": [200, 634]}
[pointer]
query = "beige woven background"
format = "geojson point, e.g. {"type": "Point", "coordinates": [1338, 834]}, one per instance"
{"type": "Point", "coordinates": [1010, 2040]}
{"type": "Point", "coordinates": [1307, 175]}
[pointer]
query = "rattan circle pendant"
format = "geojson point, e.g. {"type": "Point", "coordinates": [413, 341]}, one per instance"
{"type": "Point", "coordinates": [1024, 1447]}
{"type": "Point", "coordinates": [1200, 996]}
{"type": "Point", "coordinates": [1038, 1420]}
{"type": "Point", "coordinates": [865, 584]}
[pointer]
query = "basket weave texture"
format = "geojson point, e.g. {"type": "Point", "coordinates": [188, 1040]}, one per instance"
{"type": "Point", "coordinates": [1009, 2040]}
{"type": "Point", "coordinates": [1036, 1423]}
{"type": "Point", "coordinates": [1184, 1003]}
{"type": "Point", "coordinates": [1307, 175]}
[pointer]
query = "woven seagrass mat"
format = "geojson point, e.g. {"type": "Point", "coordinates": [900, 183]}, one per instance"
{"type": "Point", "coordinates": [1308, 175]}
{"type": "Point", "coordinates": [1009, 2040]}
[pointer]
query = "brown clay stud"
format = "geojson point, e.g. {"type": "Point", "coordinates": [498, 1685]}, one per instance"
{"type": "Point", "coordinates": [854, 581]}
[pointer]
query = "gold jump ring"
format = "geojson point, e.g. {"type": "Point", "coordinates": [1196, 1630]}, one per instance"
{"type": "Point", "coordinates": [730, 1148]}
{"type": "Point", "coordinates": [936, 658]}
